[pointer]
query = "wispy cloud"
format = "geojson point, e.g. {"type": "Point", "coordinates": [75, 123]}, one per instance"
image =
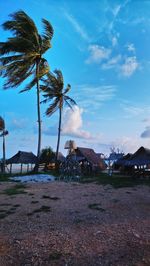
{"type": "Point", "coordinates": [76, 25]}
{"type": "Point", "coordinates": [112, 63]}
{"type": "Point", "coordinates": [97, 54]}
{"type": "Point", "coordinates": [130, 47]}
{"type": "Point", "coordinates": [133, 110]}
{"type": "Point", "coordinates": [130, 66]}
{"type": "Point", "coordinates": [95, 94]}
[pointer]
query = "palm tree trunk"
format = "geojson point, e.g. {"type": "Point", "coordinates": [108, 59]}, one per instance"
{"type": "Point", "coordinates": [4, 152]}
{"type": "Point", "coordinates": [59, 131]}
{"type": "Point", "coordinates": [39, 116]}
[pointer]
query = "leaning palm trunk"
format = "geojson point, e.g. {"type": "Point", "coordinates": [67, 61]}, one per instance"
{"type": "Point", "coordinates": [39, 116]}
{"type": "Point", "coordinates": [59, 131]}
{"type": "Point", "coordinates": [4, 153]}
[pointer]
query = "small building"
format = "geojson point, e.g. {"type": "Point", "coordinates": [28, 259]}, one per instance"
{"type": "Point", "coordinates": [22, 157]}
{"type": "Point", "coordinates": [138, 162]}
{"type": "Point", "coordinates": [89, 159]}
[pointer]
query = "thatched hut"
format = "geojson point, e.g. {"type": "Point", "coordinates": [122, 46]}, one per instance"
{"type": "Point", "coordinates": [139, 161]}
{"type": "Point", "coordinates": [89, 159]}
{"type": "Point", "coordinates": [22, 157]}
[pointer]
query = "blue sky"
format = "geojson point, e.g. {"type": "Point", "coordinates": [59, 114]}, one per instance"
{"type": "Point", "coordinates": [102, 49]}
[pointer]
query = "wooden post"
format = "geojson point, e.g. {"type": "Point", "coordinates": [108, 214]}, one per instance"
{"type": "Point", "coordinates": [10, 168]}
{"type": "Point", "coordinates": [21, 169]}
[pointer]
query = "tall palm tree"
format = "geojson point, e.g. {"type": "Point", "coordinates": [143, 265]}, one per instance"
{"type": "Point", "coordinates": [22, 56]}
{"type": "Point", "coordinates": [54, 92]}
{"type": "Point", "coordinates": [3, 132]}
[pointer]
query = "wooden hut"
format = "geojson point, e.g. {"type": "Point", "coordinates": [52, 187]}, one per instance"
{"type": "Point", "coordinates": [22, 157]}
{"type": "Point", "coordinates": [137, 162]}
{"type": "Point", "coordinates": [89, 159]}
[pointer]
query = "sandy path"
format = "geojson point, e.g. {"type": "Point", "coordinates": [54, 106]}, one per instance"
{"type": "Point", "coordinates": [82, 224]}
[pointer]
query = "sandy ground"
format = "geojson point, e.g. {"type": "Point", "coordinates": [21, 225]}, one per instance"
{"type": "Point", "coordinates": [59, 223]}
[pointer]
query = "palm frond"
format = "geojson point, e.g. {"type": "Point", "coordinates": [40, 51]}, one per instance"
{"type": "Point", "coordinates": [67, 89]}
{"type": "Point", "coordinates": [30, 85]}
{"type": "Point", "coordinates": [59, 77]}
{"type": "Point", "coordinates": [9, 59]}
{"type": "Point", "coordinates": [70, 100]}
{"type": "Point", "coordinates": [53, 107]}
{"type": "Point", "coordinates": [21, 25]}
{"type": "Point", "coordinates": [2, 124]}
{"type": "Point", "coordinates": [48, 30]}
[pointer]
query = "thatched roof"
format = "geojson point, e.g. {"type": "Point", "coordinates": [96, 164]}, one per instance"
{"type": "Point", "coordinates": [22, 157]}
{"type": "Point", "coordinates": [89, 155]}
{"type": "Point", "coordinates": [124, 159]}
{"type": "Point", "coordinates": [140, 157]}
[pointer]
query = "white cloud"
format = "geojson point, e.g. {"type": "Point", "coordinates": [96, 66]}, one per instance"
{"type": "Point", "coordinates": [97, 53]}
{"type": "Point", "coordinates": [114, 41]}
{"type": "Point", "coordinates": [130, 66]}
{"type": "Point", "coordinates": [133, 111]}
{"type": "Point", "coordinates": [116, 10]}
{"type": "Point", "coordinates": [130, 47]}
{"type": "Point", "coordinates": [78, 28]}
{"type": "Point", "coordinates": [112, 63]}
{"type": "Point", "coordinates": [73, 123]}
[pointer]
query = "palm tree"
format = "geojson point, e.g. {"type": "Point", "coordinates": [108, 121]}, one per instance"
{"type": "Point", "coordinates": [22, 56]}
{"type": "Point", "coordinates": [54, 92]}
{"type": "Point", "coordinates": [4, 132]}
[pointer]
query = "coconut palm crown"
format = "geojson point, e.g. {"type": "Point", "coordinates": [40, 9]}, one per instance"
{"type": "Point", "coordinates": [22, 55]}
{"type": "Point", "coordinates": [54, 92]}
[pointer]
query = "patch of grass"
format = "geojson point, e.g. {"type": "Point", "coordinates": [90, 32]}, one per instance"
{"type": "Point", "coordinates": [42, 209]}
{"type": "Point", "coordinates": [45, 197]}
{"type": "Point", "coordinates": [5, 213]}
{"type": "Point", "coordinates": [13, 209]}
{"type": "Point", "coordinates": [5, 204]}
{"type": "Point", "coordinates": [115, 200]}
{"type": "Point", "coordinates": [4, 178]}
{"type": "Point", "coordinates": [10, 212]}
{"type": "Point", "coordinates": [17, 189]}
{"type": "Point", "coordinates": [55, 256]}
{"type": "Point", "coordinates": [34, 201]}
{"type": "Point", "coordinates": [116, 181]}
{"type": "Point", "coordinates": [51, 198]}
{"type": "Point", "coordinates": [96, 206]}
{"type": "Point", "coordinates": [2, 211]}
